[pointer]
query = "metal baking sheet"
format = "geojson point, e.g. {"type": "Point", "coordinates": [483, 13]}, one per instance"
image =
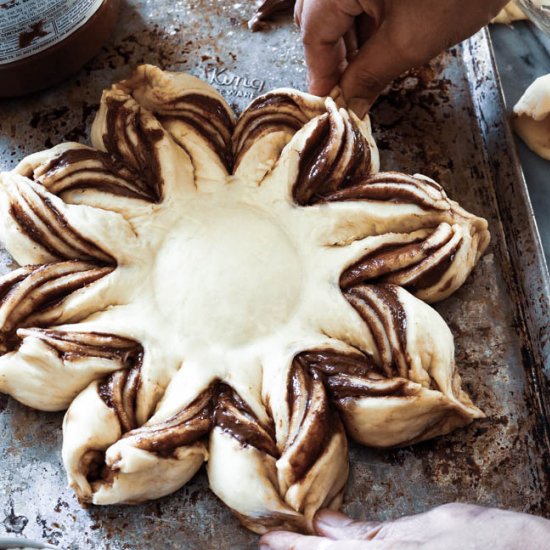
{"type": "Point", "coordinates": [446, 120]}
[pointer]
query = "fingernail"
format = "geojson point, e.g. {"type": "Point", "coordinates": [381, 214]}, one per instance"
{"type": "Point", "coordinates": [330, 518]}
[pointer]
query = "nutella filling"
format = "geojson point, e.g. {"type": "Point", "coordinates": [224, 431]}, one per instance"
{"type": "Point", "coordinates": [312, 422]}
{"type": "Point", "coordinates": [273, 112]}
{"type": "Point", "coordinates": [207, 116]}
{"type": "Point", "coordinates": [183, 429]}
{"type": "Point", "coordinates": [44, 224]}
{"type": "Point", "coordinates": [88, 344]}
{"type": "Point", "coordinates": [415, 265]}
{"type": "Point", "coordinates": [236, 418]}
{"type": "Point", "coordinates": [34, 290]}
{"type": "Point", "coordinates": [435, 272]}
{"type": "Point", "coordinates": [124, 116]}
{"type": "Point", "coordinates": [85, 168]}
{"type": "Point", "coordinates": [349, 375]}
{"type": "Point", "coordinates": [394, 187]}
{"type": "Point", "coordinates": [380, 308]}
{"type": "Point", "coordinates": [332, 155]}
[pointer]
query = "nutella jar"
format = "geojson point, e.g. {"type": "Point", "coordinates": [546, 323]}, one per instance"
{"type": "Point", "coordinates": [44, 41]}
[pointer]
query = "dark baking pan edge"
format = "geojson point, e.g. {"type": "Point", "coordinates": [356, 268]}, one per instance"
{"type": "Point", "coordinates": [529, 280]}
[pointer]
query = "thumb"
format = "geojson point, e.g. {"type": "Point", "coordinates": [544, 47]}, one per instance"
{"type": "Point", "coordinates": [337, 526]}
{"type": "Point", "coordinates": [376, 64]}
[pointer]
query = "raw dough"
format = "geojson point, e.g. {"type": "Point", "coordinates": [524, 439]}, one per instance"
{"type": "Point", "coordinates": [532, 121]}
{"type": "Point", "coordinates": [510, 13]}
{"type": "Point", "coordinates": [196, 287]}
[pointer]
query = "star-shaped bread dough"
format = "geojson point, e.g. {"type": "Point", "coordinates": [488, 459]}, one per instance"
{"type": "Point", "coordinates": [243, 292]}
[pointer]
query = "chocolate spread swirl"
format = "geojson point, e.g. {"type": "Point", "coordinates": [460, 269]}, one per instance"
{"type": "Point", "coordinates": [84, 168]}
{"type": "Point", "coordinates": [380, 308]}
{"type": "Point", "coordinates": [333, 154]}
{"type": "Point", "coordinates": [395, 187]}
{"type": "Point", "coordinates": [31, 292]}
{"type": "Point", "coordinates": [183, 428]}
{"type": "Point", "coordinates": [236, 418]}
{"type": "Point", "coordinates": [414, 265]}
{"type": "Point", "coordinates": [434, 270]}
{"type": "Point", "coordinates": [219, 406]}
{"type": "Point", "coordinates": [312, 422]}
{"type": "Point", "coordinates": [70, 345]}
{"type": "Point", "coordinates": [273, 112]}
{"type": "Point", "coordinates": [347, 375]}
{"type": "Point", "coordinates": [131, 136]}
{"type": "Point", "coordinates": [119, 391]}
{"type": "Point", "coordinates": [207, 116]}
{"type": "Point", "coordinates": [46, 225]}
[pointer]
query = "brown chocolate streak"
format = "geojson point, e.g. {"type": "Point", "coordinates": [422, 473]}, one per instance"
{"type": "Point", "coordinates": [350, 375]}
{"type": "Point", "coordinates": [235, 417]}
{"type": "Point", "coordinates": [308, 442]}
{"type": "Point", "coordinates": [388, 186]}
{"type": "Point", "coordinates": [35, 300]}
{"type": "Point", "coordinates": [376, 263]}
{"type": "Point", "coordinates": [137, 188]}
{"type": "Point", "coordinates": [434, 274]}
{"type": "Point", "coordinates": [183, 428]}
{"type": "Point", "coordinates": [219, 405]}
{"type": "Point", "coordinates": [397, 322]}
{"type": "Point", "coordinates": [57, 225]}
{"type": "Point", "coordinates": [319, 177]}
{"type": "Point", "coordinates": [211, 106]}
{"type": "Point", "coordinates": [143, 158]}
{"type": "Point", "coordinates": [211, 112]}
{"type": "Point", "coordinates": [269, 113]}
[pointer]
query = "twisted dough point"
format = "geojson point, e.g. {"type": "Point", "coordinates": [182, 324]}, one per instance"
{"type": "Point", "coordinates": [184, 105]}
{"type": "Point", "coordinates": [432, 262]}
{"type": "Point", "coordinates": [333, 154]}
{"type": "Point", "coordinates": [33, 294]}
{"type": "Point", "coordinates": [42, 219]}
{"type": "Point", "coordinates": [282, 110]}
{"type": "Point", "coordinates": [124, 129]}
{"type": "Point", "coordinates": [105, 465]}
{"type": "Point", "coordinates": [339, 146]}
{"type": "Point", "coordinates": [291, 472]}
{"type": "Point", "coordinates": [424, 398]}
{"type": "Point", "coordinates": [48, 368]}
{"type": "Point", "coordinates": [71, 167]}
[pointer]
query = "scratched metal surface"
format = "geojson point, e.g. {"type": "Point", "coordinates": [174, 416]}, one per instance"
{"type": "Point", "coordinates": [446, 120]}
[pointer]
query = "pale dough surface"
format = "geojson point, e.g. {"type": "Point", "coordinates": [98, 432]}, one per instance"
{"type": "Point", "coordinates": [510, 13]}
{"type": "Point", "coordinates": [185, 311]}
{"type": "Point", "coordinates": [532, 116]}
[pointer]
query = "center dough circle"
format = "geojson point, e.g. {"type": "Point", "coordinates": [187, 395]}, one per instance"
{"type": "Point", "coordinates": [236, 275]}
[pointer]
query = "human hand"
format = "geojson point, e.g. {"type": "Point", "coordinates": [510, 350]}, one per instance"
{"type": "Point", "coordinates": [452, 527]}
{"type": "Point", "coordinates": [365, 44]}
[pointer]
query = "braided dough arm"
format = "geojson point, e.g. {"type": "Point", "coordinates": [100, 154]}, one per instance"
{"type": "Point", "coordinates": [413, 392]}
{"type": "Point", "coordinates": [110, 460]}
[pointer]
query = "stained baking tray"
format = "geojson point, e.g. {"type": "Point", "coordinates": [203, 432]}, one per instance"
{"type": "Point", "coordinates": [446, 120]}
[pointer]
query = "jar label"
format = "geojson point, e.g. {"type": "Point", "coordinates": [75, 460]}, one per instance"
{"type": "Point", "coordinates": [31, 26]}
